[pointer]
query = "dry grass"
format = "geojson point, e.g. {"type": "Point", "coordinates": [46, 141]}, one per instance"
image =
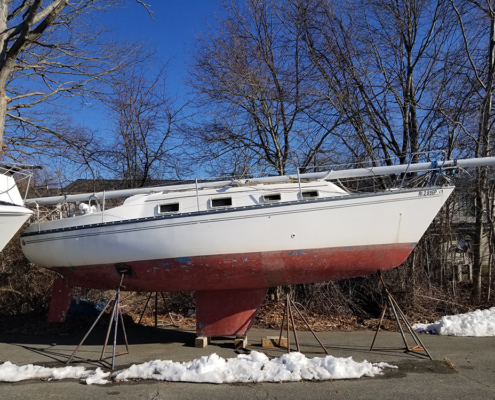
{"type": "Point", "coordinates": [450, 364]}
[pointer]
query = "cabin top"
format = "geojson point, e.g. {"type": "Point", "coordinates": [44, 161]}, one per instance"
{"type": "Point", "coordinates": [247, 194]}
{"type": "Point", "coordinates": [207, 199]}
{"type": "Point", "coordinates": [165, 203]}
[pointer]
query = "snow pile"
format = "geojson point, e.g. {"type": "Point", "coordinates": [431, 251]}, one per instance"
{"type": "Point", "coordinates": [476, 323]}
{"type": "Point", "coordinates": [12, 373]}
{"type": "Point", "coordinates": [255, 367]}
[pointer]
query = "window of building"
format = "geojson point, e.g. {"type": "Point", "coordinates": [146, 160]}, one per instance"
{"type": "Point", "coordinates": [466, 204]}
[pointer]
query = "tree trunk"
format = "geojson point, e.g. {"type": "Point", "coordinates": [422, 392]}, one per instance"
{"type": "Point", "coordinates": [478, 237]}
{"type": "Point", "coordinates": [482, 150]}
{"type": "Point", "coordinates": [3, 114]}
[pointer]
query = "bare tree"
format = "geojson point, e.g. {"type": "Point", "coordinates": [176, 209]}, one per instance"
{"type": "Point", "coordinates": [145, 120]}
{"type": "Point", "coordinates": [380, 64]}
{"type": "Point", "coordinates": [476, 21]}
{"type": "Point", "coordinates": [50, 50]}
{"type": "Point", "coordinates": [251, 76]}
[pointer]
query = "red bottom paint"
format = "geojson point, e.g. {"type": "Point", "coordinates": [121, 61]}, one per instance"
{"type": "Point", "coordinates": [222, 307]}
{"type": "Point", "coordinates": [241, 271]}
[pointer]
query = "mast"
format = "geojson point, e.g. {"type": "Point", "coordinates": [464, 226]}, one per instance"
{"type": "Point", "coordinates": [325, 175]}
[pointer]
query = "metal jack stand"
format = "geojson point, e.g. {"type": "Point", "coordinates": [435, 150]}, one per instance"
{"type": "Point", "coordinates": [398, 315]}
{"type": "Point", "coordinates": [116, 317]}
{"type": "Point", "coordinates": [156, 310]}
{"type": "Point", "coordinates": [289, 304]}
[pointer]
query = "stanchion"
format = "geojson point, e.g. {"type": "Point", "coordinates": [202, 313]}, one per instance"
{"type": "Point", "coordinates": [289, 305]}
{"type": "Point", "coordinates": [155, 315]}
{"type": "Point", "coordinates": [114, 321]}
{"type": "Point", "coordinates": [392, 305]}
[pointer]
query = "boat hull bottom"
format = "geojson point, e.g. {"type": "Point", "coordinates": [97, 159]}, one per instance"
{"type": "Point", "coordinates": [230, 288]}
{"type": "Point", "coordinates": [240, 271]}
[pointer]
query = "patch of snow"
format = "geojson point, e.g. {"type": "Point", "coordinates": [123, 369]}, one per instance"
{"type": "Point", "coordinates": [255, 367]}
{"type": "Point", "coordinates": [13, 373]}
{"type": "Point", "coordinates": [97, 377]}
{"type": "Point", "coordinates": [476, 323]}
{"type": "Point", "coordinates": [385, 365]}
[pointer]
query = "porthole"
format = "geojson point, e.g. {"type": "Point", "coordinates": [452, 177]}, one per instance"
{"type": "Point", "coordinates": [221, 202]}
{"type": "Point", "coordinates": [310, 194]}
{"type": "Point", "coordinates": [270, 198]}
{"type": "Point", "coordinates": [168, 208]}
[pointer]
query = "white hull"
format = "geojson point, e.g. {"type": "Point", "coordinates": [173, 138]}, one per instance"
{"type": "Point", "coordinates": [11, 220]}
{"type": "Point", "coordinates": [363, 220]}
{"type": "Point", "coordinates": [12, 213]}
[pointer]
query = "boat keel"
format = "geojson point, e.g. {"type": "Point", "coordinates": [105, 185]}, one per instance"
{"type": "Point", "coordinates": [227, 312]}
{"type": "Point", "coordinates": [60, 302]}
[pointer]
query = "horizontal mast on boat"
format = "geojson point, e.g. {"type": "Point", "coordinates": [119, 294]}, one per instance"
{"type": "Point", "coordinates": [325, 175]}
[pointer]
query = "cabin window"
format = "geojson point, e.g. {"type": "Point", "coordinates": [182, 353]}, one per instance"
{"type": "Point", "coordinates": [222, 202]}
{"type": "Point", "coordinates": [310, 194]}
{"type": "Point", "coordinates": [169, 208]}
{"type": "Point", "coordinates": [268, 198]}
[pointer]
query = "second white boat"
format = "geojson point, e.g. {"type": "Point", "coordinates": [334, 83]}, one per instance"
{"type": "Point", "coordinates": [13, 214]}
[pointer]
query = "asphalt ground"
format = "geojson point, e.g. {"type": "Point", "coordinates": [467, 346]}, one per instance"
{"type": "Point", "coordinates": [461, 368]}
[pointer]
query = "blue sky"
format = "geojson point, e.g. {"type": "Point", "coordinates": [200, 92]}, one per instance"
{"type": "Point", "coordinates": [176, 25]}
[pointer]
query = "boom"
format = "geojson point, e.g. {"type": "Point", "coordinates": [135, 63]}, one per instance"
{"type": "Point", "coordinates": [326, 175]}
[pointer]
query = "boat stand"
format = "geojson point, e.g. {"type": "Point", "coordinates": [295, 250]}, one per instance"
{"type": "Point", "coordinates": [289, 305]}
{"type": "Point", "coordinates": [172, 323]}
{"type": "Point", "coordinates": [115, 318]}
{"type": "Point", "coordinates": [394, 308]}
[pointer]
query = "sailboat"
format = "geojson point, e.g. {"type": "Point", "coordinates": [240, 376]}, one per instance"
{"type": "Point", "coordinates": [13, 214]}
{"type": "Point", "coordinates": [229, 241]}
